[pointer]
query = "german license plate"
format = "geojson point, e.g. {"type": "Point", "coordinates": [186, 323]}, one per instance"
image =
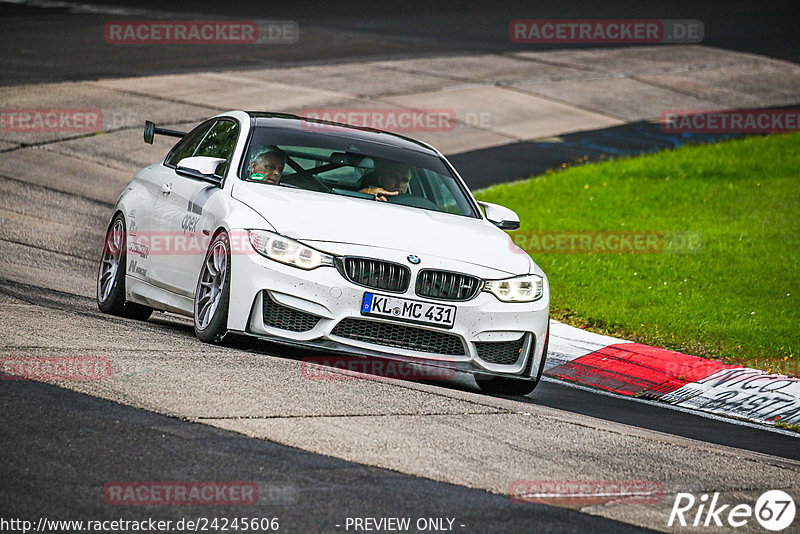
{"type": "Point", "coordinates": [409, 310]}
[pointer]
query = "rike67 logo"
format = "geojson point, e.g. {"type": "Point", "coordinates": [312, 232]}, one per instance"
{"type": "Point", "coordinates": [774, 510]}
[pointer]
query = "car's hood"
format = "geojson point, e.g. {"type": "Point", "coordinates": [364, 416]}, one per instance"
{"type": "Point", "coordinates": [312, 216]}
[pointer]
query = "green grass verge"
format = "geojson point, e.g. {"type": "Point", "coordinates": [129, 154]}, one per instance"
{"type": "Point", "coordinates": [731, 294]}
{"type": "Point", "coordinates": [788, 426]}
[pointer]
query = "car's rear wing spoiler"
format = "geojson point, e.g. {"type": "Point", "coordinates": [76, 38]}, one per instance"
{"type": "Point", "coordinates": [150, 129]}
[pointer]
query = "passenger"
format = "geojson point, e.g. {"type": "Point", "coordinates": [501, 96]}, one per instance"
{"type": "Point", "coordinates": [268, 166]}
{"type": "Point", "coordinates": [389, 179]}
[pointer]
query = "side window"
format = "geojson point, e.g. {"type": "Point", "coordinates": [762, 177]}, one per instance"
{"type": "Point", "coordinates": [219, 142]}
{"type": "Point", "coordinates": [186, 146]}
{"type": "Point", "coordinates": [441, 189]}
{"type": "Point", "coordinates": [215, 139]}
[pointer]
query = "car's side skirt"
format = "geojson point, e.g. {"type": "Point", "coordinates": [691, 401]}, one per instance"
{"type": "Point", "coordinates": [141, 292]}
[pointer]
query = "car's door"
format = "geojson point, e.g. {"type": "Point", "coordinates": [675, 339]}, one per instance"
{"type": "Point", "coordinates": [181, 209]}
{"type": "Point", "coordinates": [139, 224]}
{"type": "Point", "coordinates": [145, 242]}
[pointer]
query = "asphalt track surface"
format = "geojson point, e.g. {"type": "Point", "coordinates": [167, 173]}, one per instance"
{"type": "Point", "coordinates": [82, 442]}
{"type": "Point", "coordinates": [64, 40]}
{"type": "Point", "coordinates": [62, 446]}
{"type": "Point", "coordinates": [52, 41]}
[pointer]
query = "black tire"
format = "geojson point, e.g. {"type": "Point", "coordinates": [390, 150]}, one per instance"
{"type": "Point", "coordinates": [514, 386]}
{"type": "Point", "coordinates": [212, 294]}
{"type": "Point", "coordinates": [111, 275]}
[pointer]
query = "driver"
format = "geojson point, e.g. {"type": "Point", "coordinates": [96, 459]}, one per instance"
{"type": "Point", "coordinates": [268, 166]}
{"type": "Point", "coordinates": [389, 179]}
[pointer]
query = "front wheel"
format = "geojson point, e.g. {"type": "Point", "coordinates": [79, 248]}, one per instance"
{"type": "Point", "coordinates": [514, 386]}
{"type": "Point", "coordinates": [212, 295]}
{"type": "Point", "coordinates": [111, 275]}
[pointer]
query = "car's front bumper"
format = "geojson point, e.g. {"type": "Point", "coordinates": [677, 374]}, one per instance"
{"type": "Point", "coordinates": [306, 307]}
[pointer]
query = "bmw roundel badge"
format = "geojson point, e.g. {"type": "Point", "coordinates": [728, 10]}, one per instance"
{"type": "Point", "coordinates": [414, 259]}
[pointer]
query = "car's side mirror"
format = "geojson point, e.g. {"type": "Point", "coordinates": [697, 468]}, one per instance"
{"type": "Point", "coordinates": [201, 167]}
{"type": "Point", "coordinates": [500, 216]}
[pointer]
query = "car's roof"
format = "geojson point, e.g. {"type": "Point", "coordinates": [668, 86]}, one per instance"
{"type": "Point", "coordinates": [358, 133]}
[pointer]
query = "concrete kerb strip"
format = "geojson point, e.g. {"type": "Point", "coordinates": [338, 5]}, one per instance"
{"type": "Point", "coordinates": [682, 380]}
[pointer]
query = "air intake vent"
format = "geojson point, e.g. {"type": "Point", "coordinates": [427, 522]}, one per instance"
{"type": "Point", "coordinates": [445, 285]}
{"type": "Point", "coordinates": [376, 274]}
{"type": "Point", "coordinates": [280, 316]}
{"type": "Point", "coordinates": [400, 336]}
{"type": "Point", "coordinates": [500, 352]}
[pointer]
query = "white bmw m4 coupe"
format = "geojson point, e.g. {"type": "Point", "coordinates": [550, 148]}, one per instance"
{"type": "Point", "coordinates": [330, 237]}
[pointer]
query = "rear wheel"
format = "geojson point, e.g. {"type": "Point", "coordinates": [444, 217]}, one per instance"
{"type": "Point", "coordinates": [514, 386]}
{"type": "Point", "coordinates": [212, 294]}
{"type": "Point", "coordinates": [111, 275]}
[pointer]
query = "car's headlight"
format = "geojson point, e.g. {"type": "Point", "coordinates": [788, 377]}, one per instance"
{"type": "Point", "coordinates": [520, 289]}
{"type": "Point", "coordinates": [276, 247]}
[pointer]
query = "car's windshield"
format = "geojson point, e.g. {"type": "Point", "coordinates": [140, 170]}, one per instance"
{"type": "Point", "coordinates": [340, 165]}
